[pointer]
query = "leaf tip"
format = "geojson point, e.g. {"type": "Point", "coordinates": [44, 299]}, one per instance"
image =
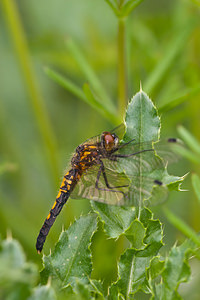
{"type": "Point", "coordinates": [49, 282]}
{"type": "Point", "coordinates": [9, 235]}
{"type": "Point", "coordinates": [141, 87]}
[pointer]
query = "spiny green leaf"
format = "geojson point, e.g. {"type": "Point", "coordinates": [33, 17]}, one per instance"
{"type": "Point", "coordinates": [176, 270]}
{"type": "Point", "coordinates": [116, 219]}
{"type": "Point", "coordinates": [71, 257]}
{"type": "Point", "coordinates": [142, 124]}
{"type": "Point", "coordinates": [135, 234]}
{"type": "Point", "coordinates": [43, 293]}
{"type": "Point", "coordinates": [133, 263]}
{"type": "Point", "coordinates": [17, 277]}
{"type": "Point", "coordinates": [142, 121]}
{"type": "Point", "coordinates": [91, 290]}
{"type": "Point", "coordinates": [156, 267]}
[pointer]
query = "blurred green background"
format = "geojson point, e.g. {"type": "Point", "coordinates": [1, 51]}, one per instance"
{"type": "Point", "coordinates": [41, 122]}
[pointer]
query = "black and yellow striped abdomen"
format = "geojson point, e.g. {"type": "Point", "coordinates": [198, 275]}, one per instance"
{"type": "Point", "coordinates": [69, 181]}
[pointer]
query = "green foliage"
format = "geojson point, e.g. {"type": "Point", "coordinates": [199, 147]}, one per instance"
{"type": "Point", "coordinates": [158, 45]}
{"type": "Point", "coordinates": [71, 258]}
{"type": "Point", "coordinates": [17, 277]}
{"type": "Point", "coordinates": [123, 8]}
{"type": "Point", "coordinates": [70, 263]}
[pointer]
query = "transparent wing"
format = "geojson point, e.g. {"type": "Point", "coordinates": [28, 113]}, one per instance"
{"type": "Point", "coordinates": [127, 191]}
{"type": "Point", "coordinates": [86, 187]}
{"type": "Point", "coordinates": [141, 159]}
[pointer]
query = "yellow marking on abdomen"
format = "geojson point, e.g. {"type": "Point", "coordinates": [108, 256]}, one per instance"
{"type": "Point", "coordinates": [59, 193]}
{"type": "Point", "coordinates": [49, 215]}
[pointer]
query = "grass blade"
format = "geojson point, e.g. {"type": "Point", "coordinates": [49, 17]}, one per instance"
{"type": "Point", "coordinates": [175, 47]}
{"type": "Point", "coordinates": [90, 74]}
{"type": "Point", "coordinates": [196, 185]}
{"type": "Point", "coordinates": [85, 94]}
{"type": "Point", "coordinates": [182, 226]}
{"type": "Point", "coordinates": [18, 38]}
{"type": "Point", "coordinates": [170, 104]}
{"type": "Point", "coordinates": [189, 139]}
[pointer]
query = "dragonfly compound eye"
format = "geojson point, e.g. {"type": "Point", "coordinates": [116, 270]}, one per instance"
{"type": "Point", "coordinates": [109, 140]}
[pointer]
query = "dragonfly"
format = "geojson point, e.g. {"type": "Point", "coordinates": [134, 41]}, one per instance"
{"type": "Point", "coordinates": [106, 170]}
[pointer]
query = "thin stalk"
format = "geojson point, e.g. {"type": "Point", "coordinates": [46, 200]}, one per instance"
{"type": "Point", "coordinates": [122, 89]}
{"type": "Point", "coordinates": [19, 40]}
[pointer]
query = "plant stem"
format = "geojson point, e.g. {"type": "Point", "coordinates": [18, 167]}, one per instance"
{"type": "Point", "coordinates": [122, 89]}
{"type": "Point", "coordinates": [19, 40]}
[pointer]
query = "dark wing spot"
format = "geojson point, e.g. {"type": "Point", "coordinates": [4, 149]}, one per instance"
{"type": "Point", "coordinates": [158, 182]}
{"type": "Point", "coordinates": [172, 140]}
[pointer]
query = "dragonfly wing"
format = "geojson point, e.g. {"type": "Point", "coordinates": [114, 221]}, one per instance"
{"type": "Point", "coordinates": [133, 191]}
{"type": "Point", "coordinates": [86, 187]}
{"type": "Point", "coordinates": [141, 159]}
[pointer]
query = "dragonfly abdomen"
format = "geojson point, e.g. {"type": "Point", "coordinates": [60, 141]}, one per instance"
{"type": "Point", "coordinates": [69, 181]}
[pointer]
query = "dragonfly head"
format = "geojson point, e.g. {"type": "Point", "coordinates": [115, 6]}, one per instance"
{"type": "Point", "coordinates": [109, 141]}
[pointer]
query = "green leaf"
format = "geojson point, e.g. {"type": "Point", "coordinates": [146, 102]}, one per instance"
{"type": "Point", "coordinates": [142, 120]}
{"type": "Point", "coordinates": [135, 234]}
{"type": "Point", "coordinates": [17, 277]}
{"type": "Point", "coordinates": [43, 293]}
{"type": "Point", "coordinates": [196, 185]}
{"type": "Point", "coordinates": [176, 271]}
{"type": "Point", "coordinates": [156, 267]}
{"type": "Point", "coordinates": [92, 290]}
{"type": "Point", "coordinates": [116, 219]}
{"type": "Point", "coordinates": [71, 257]}
{"type": "Point", "coordinates": [133, 263]}
{"type": "Point", "coordinates": [142, 124]}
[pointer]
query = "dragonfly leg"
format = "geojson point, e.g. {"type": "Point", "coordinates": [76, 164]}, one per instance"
{"type": "Point", "coordinates": [131, 154]}
{"type": "Point", "coordinates": [109, 188]}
